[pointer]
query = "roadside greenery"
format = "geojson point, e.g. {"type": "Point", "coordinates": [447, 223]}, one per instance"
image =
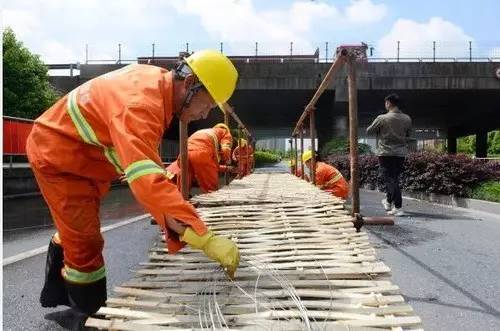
{"type": "Point", "coordinates": [263, 157]}
{"type": "Point", "coordinates": [458, 175]}
{"type": "Point", "coordinates": [340, 146]}
{"type": "Point", "coordinates": [487, 191]}
{"type": "Point", "coordinates": [26, 89]}
{"type": "Point", "coordinates": [467, 145]}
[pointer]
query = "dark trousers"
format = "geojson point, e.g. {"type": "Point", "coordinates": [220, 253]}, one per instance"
{"type": "Point", "coordinates": [391, 168]}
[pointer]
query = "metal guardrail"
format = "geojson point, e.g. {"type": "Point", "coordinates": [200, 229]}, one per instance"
{"type": "Point", "coordinates": [18, 119]}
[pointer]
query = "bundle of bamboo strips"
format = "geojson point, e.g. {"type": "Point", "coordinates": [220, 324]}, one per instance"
{"type": "Point", "coordinates": [304, 267]}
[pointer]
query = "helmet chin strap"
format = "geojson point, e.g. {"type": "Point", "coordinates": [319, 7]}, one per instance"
{"type": "Point", "coordinates": [189, 96]}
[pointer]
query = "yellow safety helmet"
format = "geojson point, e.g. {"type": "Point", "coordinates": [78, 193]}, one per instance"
{"type": "Point", "coordinates": [222, 125]}
{"type": "Point", "coordinates": [243, 142]}
{"type": "Point", "coordinates": [216, 72]}
{"type": "Point", "coordinates": [307, 155]}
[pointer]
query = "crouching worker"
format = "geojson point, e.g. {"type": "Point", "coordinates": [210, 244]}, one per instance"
{"type": "Point", "coordinates": [328, 178]}
{"type": "Point", "coordinates": [206, 149]}
{"type": "Point", "coordinates": [109, 127]}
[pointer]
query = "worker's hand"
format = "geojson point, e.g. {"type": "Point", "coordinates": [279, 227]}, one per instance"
{"type": "Point", "coordinates": [122, 178]}
{"type": "Point", "coordinates": [220, 249]}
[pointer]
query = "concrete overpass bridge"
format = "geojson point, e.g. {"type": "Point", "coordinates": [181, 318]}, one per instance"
{"type": "Point", "coordinates": [451, 99]}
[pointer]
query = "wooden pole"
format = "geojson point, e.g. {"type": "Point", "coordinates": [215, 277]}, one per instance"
{"type": "Point", "coordinates": [291, 158]}
{"type": "Point", "coordinates": [247, 148]}
{"type": "Point", "coordinates": [353, 134]}
{"type": "Point", "coordinates": [296, 155]}
{"type": "Point", "coordinates": [183, 137]}
{"type": "Point", "coordinates": [226, 122]}
{"type": "Point", "coordinates": [339, 61]}
{"type": "Point", "coordinates": [240, 164]}
{"type": "Point", "coordinates": [312, 128]}
{"type": "Point", "coordinates": [302, 151]}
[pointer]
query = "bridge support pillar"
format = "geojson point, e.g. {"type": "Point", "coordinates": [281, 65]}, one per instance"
{"type": "Point", "coordinates": [482, 144]}
{"type": "Point", "coordinates": [451, 142]}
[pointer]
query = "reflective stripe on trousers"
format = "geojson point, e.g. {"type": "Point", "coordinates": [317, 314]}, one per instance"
{"type": "Point", "coordinates": [75, 276]}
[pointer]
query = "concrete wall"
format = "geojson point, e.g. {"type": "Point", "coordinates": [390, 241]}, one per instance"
{"type": "Point", "coordinates": [436, 95]}
{"type": "Point", "coordinates": [307, 76]}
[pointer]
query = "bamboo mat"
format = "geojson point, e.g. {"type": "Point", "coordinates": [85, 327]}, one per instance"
{"type": "Point", "coordinates": [303, 267]}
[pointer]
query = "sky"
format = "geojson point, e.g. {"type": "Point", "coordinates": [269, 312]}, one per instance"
{"type": "Point", "coordinates": [59, 30]}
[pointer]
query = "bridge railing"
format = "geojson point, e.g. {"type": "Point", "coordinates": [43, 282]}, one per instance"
{"type": "Point", "coordinates": [315, 51]}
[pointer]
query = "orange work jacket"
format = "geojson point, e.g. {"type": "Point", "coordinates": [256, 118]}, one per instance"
{"type": "Point", "coordinates": [112, 125]}
{"type": "Point", "coordinates": [331, 180]}
{"type": "Point", "coordinates": [216, 140]}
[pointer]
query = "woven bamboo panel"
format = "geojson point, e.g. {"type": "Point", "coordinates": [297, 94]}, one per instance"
{"type": "Point", "coordinates": [303, 267]}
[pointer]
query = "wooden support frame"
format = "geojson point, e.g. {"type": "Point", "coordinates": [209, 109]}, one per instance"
{"type": "Point", "coordinates": [296, 155]}
{"type": "Point", "coordinates": [183, 152]}
{"type": "Point", "coordinates": [226, 122]}
{"type": "Point", "coordinates": [353, 133]}
{"type": "Point", "coordinates": [312, 129]}
{"type": "Point", "coordinates": [301, 134]}
{"type": "Point", "coordinates": [240, 164]}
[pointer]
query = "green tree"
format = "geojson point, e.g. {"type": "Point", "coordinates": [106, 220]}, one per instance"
{"type": "Point", "coordinates": [466, 145]}
{"type": "Point", "coordinates": [26, 89]}
{"type": "Point", "coordinates": [494, 143]}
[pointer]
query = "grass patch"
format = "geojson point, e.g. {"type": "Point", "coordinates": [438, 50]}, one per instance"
{"type": "Point", "coordinates": [489, 191]}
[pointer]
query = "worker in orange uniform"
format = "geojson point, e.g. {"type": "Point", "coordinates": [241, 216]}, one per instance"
{"type": "Point", "coordinates": [207, 148]}
{"type": "Point", "coordinates": [108, 127]}
{"type": "Point", "coordinates": [328, 178]}
{"type": "Point", "coordinates": [243, 155]}
{"type": "Point", "coordinates": [296, 171]}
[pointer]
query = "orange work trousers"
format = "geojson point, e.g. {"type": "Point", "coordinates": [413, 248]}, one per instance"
{"type": "Point", "coordinates": [243, 167]}
{"type": "Point", "coordinates": [74, 204]}
{"type": "Point", "coordinates": [202, 167]}
{"type": "Point", "coordinates": [339, 189]}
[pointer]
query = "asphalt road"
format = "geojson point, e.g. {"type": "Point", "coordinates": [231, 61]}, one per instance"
{"type": "Point", "coordinates": [125, 247]}
{"type": "Point", "coordinates": [445, 260]}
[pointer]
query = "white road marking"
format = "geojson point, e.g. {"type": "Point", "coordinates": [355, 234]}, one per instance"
{"type": "Point", "coordinates": [43, 249]}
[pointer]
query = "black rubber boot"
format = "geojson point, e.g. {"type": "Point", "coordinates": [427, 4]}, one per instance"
{"type": "Point", "coordinates": [54, 290]}
{"type": "Point", "coordinates": [70, 319]}
{"type": "Point", "coordinates": [87, 298]}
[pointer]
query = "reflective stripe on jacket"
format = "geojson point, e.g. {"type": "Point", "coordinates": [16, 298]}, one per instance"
{"type": "Point", "coordinates": [113, 124]}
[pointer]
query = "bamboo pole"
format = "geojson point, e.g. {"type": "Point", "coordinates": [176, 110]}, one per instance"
{"type": "Point", "coordinates": [240, 164]}
{"type": "Point", "coordinates": [296, 155]}
{"type": "Point", "coordinates": [302, 175]}
{"type": "Point", "coordinates": [339, 61]}
{"type": "Point", "coordinates": [353, 134]}
{"type": "Point", "coordinates": [183, 137]}
{"type": "Point", "coordinates": [227, 108]}
{"type": "Point", "coordinates": [226, 174]}
{"type": "Point", "coordinates": [247, 163]}
{"type": "Point", "coordinates": [312, 128]}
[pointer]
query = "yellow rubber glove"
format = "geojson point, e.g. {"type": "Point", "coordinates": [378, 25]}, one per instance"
{"type": "Point", "coordinates": [220, 249]}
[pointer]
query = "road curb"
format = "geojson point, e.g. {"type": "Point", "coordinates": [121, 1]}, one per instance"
{"type": "Point", "coordinates": [473, 204]}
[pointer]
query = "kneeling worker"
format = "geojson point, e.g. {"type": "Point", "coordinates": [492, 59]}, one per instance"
{"type": "Point", "coordinates": [328, 178]}
{"type": "Point", "coordinates": [109, 127]}
{"type": "Point", "coordinates": [206, 149]}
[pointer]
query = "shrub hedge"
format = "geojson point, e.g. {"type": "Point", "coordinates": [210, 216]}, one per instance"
{"type": "Point", "coordinates": [265, 157]}
{"type": "Point", "coordinates": [427, 172]}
